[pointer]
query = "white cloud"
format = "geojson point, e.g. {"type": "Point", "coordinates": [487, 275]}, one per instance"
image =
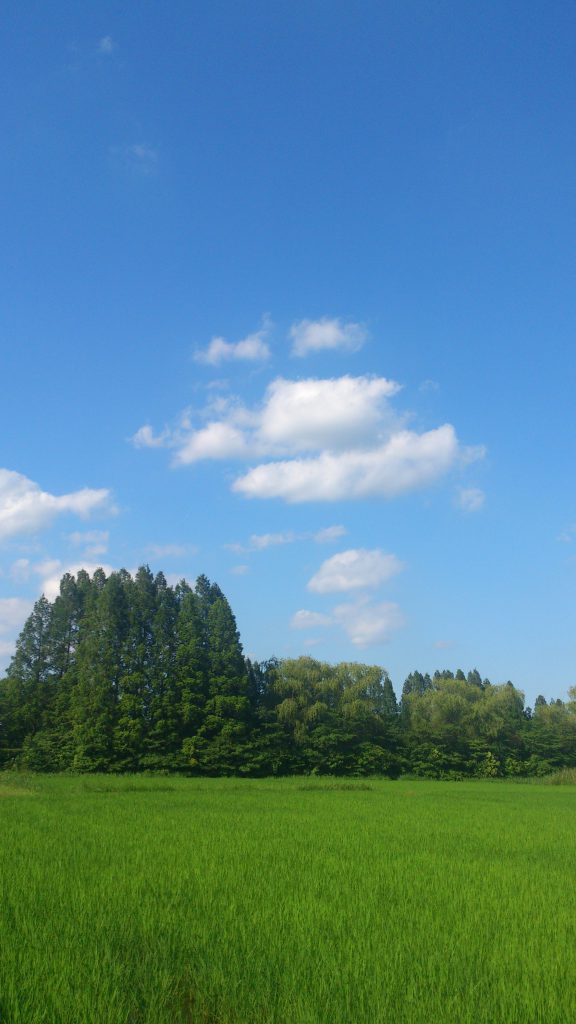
{"type": "Point", "coordinates": [319, 335]}
{"type": "Point", "coordinates": [404, 463]}
{"type": "Point", "coordinates": [240, 570]}
{"type": "Point", "coordinates": [25, 508]}
{"type": "Point", "coordinates": [309, 620]}
{"type": "Point", "coordinates": [443, 645]}
{"type": "Point", "coordinates": [367, 623]}
{"type": "Point", "coordinates": [356, 569]}
{"type": "Point", "coordinates": [250, 349]}
{"type": "Point", "coordinates": [106, 45]}
{"type": "Point", "coordinates": [470, 499]}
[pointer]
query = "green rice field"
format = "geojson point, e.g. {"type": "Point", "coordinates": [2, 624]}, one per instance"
{"type": "Point", "coordinates": [157, 900]}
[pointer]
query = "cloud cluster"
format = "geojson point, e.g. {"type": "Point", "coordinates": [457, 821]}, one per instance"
{"type": "Point", "coordinates": [364, 620]}
{"type": "Point", "coordinates": [319, 439]}
{"type": "Point", "coordinates": [25, 508]}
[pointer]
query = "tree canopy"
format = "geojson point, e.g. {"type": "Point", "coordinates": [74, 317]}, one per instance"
{"type": "Point", "coordinates": [126, 673]}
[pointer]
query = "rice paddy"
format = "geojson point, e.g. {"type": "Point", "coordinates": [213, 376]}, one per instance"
{"type": "Point", "coordinates": [142, 900]}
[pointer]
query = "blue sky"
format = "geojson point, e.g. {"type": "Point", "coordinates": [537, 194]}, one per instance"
{"type": "Point", "coordinates": [288, 299]}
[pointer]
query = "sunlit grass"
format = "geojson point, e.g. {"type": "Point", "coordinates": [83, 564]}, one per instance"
{"type": "Point", "coordinates": [138, 900]}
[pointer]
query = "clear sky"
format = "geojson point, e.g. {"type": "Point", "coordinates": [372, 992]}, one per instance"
{"type": "Point", "coordinates": [288, 299]}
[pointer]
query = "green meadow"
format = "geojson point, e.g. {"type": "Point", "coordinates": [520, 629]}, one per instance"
{"type": "Point", "coordinates": [160, 900]}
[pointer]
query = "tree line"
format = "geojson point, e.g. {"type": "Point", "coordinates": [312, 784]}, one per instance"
{"type": "Point", "coordinates": [125, 673]}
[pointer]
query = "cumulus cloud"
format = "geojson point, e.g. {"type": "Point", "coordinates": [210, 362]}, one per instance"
{"type": "Point", "coordinates": [26, 508]}
{"type": "Point", "coordinates": [355, 569]}
{"type": "Point", "coordinates": [470, 499]}
{"type": "Point", "coordinates": [365, 622]}
{"type": "Point", "coordinates": [318, 335]}
{"type": "Point", "coordinates": [403, 463]}
{"type": "Point", "coordinates": [309, 414]}
{"type": "Point", "coordinates": [252, 348]}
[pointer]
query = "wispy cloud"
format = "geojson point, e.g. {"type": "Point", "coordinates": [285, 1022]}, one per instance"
{"type": "Point", "coordinates": [319, 335]}
{"type": "Point", "coordinates": [325, 439]}
{"type": "Point", "coordinates": [95, 542]}
{"type": "Point", "coordinates": [252, 348]}
{"type": "Point", "coordinates": [146, 438]}
{"type": "Point", "coordinates": [262, 541]}
{"type": "Point", "coordinates": [138, 158]}
{"type": "Point", "coordinates": [470, 499]}
{"type": "Point", "coordinates": [106, 45]}
{"type": "Point", "coordinates": [170, 550]}
{"type": "Point", "coordinates": [329, 534]}
{"type": "Point", "coordinates": [568, 535]}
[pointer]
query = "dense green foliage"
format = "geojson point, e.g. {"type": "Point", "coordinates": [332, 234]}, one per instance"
{"type": "Point", "coordinates": [125, 674]}
{"type": "Point", "coordinates": [146, 900]}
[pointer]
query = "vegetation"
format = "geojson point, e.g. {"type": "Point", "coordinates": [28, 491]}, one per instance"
{"type": "Point", "coordinates": [123, 674]}
{"type": "Point", "coordinates": [155, 900]}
